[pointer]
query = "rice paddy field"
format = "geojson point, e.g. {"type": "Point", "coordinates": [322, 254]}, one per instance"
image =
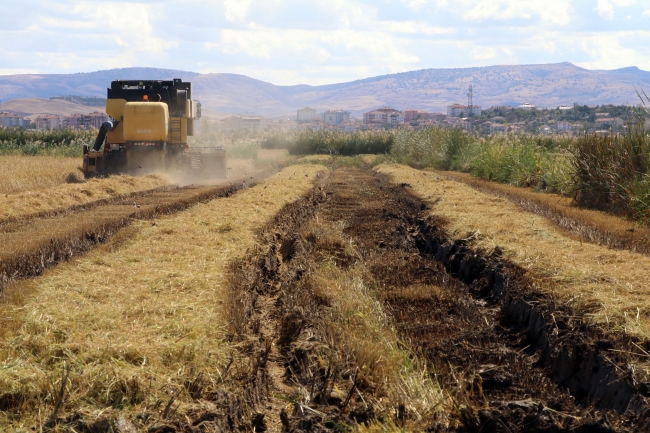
{"type": "Point", "coordinates": [316, 293]}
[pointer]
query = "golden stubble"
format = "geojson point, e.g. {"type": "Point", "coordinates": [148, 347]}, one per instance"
{"type": "Point", "coordinates": [137, 318]}
{"type": "Point", "coordinates": [40, 200]}
{"type": "Point", "coordinates": [610, 286]}
{"type": "Point", "coordinates": [589, 224]}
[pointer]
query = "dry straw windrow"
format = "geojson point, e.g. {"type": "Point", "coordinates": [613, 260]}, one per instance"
{"type": "Point", "coordinates": [592, 225]}
{"type": "Point", "coordinates": [45, 200]}
{"type": "Point", "coordinates": [360, 329]}
{"type": "Point", "coordinates": [610, 286]}
{"type": "Point", "coordinates": [137, 319]}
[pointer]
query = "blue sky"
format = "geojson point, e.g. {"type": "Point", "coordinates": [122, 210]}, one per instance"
{"type": "Point", "coordinates": [319, 41]}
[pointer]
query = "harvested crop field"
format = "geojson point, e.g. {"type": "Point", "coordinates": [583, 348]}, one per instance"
{"type": "Point", "coordinates": [38, 202]}
{"type": "Point", "coordinates": [327, 300]}
{"type": "Point", "coordinates": [137, 319]}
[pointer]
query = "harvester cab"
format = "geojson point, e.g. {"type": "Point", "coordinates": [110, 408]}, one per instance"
{"type": "Point", "coordinates": [148, 130]}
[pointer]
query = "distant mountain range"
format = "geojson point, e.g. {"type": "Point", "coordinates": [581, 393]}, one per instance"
{"type": "Point", "coordinates": [547, 85]}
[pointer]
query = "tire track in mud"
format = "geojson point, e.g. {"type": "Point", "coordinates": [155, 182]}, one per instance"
{"type": "Point", "coordinates": [33, 244]}
{"type": "Point", "coordinates": [509, 359]}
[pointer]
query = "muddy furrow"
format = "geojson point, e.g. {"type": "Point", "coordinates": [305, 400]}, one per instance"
{"type": "Point", "coordinates": [30, 246]}
{"type": "Point", "coordinates": [514, 359]}
{"type": "Point", "coordinates": [262, 317]}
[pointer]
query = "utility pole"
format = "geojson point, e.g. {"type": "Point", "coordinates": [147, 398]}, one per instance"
{"type": "Point", "coordinates": [470, 102]}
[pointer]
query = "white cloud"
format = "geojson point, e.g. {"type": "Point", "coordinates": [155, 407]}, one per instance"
{"type": "Point", "coordinates": [606, 51]}
{"type": "Point", "coordinates": [289, 41]}
{"type": "Point", "coordinates": [415, 5]}
{"type": "Point", "coordinates": [623, 3]}
{"type": "Point", "coordinates": [125, 23]}
{"type": "Point", "coordinates": [236, 10]}
{"type": "Point", "coordinates": [551, 11]}
{"type": "Point", "coordinates": [605, 9]}
{"type": "Point", "coordinates": [483, 53]}
{"type": "Point", "coordinates": [546, 40]}
{"type": "Point", "coordinates": [413, 27]}
{"type": "Point", "coordinates": [313, 45]}
{"type": "Point", "coordinates": [9, 71]}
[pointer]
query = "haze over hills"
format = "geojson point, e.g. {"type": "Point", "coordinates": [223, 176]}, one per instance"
{"type": "Point", "coordinates": [33, 106]}
{"type": "Point", "coordinates": [547, 85]}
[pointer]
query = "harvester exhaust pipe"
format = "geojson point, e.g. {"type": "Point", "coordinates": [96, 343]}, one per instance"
{"type": "Point", "coordinates": [101, 136]}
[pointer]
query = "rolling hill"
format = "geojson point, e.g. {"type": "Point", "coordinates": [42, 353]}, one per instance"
{"type": "Point", "coordinates": [428, 89]}
{"type": "Point", "coordinates": [33, 106]}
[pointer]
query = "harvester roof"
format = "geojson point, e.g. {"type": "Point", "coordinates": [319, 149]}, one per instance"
{"type": "Point", "coordinates": [174, 93]}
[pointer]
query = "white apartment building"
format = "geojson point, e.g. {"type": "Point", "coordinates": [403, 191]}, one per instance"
{"type": "Point", "coordinates": [95, 119]}
{"type": "Point", "coordinates": [335, 117]}
{"type": "Point", "coordinates": [382, 116]}
{"type": "Point", "coordinates": [497, 128]}
{"type": "Point", "coordinates": [11, 120]}
{"type": "Point", "coordinates": [74, 121]}
{"type": "Point", "coordinates": [306, 115]}
{"type": "Point", "coordinates": [396, 118]}
{"type": "Point", "coordinates": [48, 122]}
{"type": "Point", "coordinates": [613, 123]}
{"type": "Point", "coordinates": [456, 110]}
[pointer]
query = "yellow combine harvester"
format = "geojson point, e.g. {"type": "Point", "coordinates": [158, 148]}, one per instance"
{"type": "Point", "coordinates": [148, 130]}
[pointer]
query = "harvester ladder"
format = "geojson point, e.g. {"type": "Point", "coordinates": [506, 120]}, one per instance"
{"type": "Point", "coordinates": [175, 130]}
{"type": "Point", "coordinates": [196, 161]}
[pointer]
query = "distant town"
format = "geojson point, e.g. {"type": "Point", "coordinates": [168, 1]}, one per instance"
{"type": "Point", "coordinates": [525, 118]}
{"type": "Point", "coordinates": [95, 119]}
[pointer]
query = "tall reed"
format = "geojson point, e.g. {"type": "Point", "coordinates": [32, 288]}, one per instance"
{"type": "Point", "coordinates": [612, 172]}
{"type": "Point", "coordinates": [333, 142]}
{"type": "Point", "coordinates": [58, 142]}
